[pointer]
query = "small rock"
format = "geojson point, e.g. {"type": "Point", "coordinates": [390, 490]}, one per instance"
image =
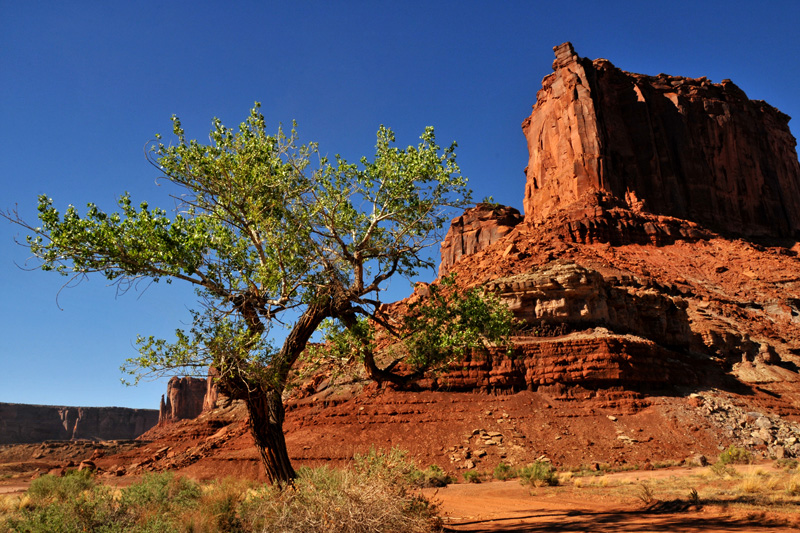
{"type": "Point", "coordinates": [612, 418]}
{"type": "Point", "coordinates": [480, 453]}
{"type": "Point", "coordinates": [764, 423]}
{"type": "Point", "coordinates": [779, 452]}
{"type": "Point", "coordinates": [87, 464]}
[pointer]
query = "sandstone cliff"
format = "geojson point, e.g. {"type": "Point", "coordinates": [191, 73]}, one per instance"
{"type": "Point", "coordinates": [676, 146]}
{"type": "Point", "coordinates": [184, 399]}
{"type": "Point", "coordinates": [21, 423]}
{"type": "Point", "coordinates": [476, 229]}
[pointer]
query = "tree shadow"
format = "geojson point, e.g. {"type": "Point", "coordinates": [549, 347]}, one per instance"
{"type": "Point", "coordinates": [653, 519]}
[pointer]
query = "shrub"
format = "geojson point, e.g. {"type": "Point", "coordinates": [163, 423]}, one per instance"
{"type": "Point", "coordinates": [72, 503]}
{"type": "Point", "coordinates": [53, 488]}
{"type": "Point", "coordinates": [793, 485]}
{"type": "Point", "coordinates": [735, 455]}
{"type": "Point", "coordinates": [645, 493]}
{"type": "Point", "coordinates": [472, 476]}
{"type": "Point", "coordinates": [504, 471]}
{"type": "Point", "coordinates": [338, 501]}
{"type": "Point", "coordinates": [433, 476]}
{"type": "Point", "coordinates": [789, 464]}
{"type": "Point", "coordinates": [393, 466]}
{"type": "Point", "coordinates": [538, 474]}
{"type": "Point", "coordinates": [722, 469]}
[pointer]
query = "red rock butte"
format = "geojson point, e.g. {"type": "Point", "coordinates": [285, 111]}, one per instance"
{"type": "Point", "coordinates": [676, 146]}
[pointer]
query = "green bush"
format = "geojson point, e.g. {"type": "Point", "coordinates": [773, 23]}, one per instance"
{"type": "Point", "coordinates": [538, 474]}
{"type": "Point", "coordinates": [472, 476]}
{"type": "Point", "coordinates": [162, 493]}
{"type": "Point", "coordinates": [735, 455]}
{"type": "Point", "coordinates": [391, 466]}
{"type": "Point", "coordinates": [49, 487]}
{"type": "Point", "coordinates": [504, 471]}
{"type": "Point", "coordinates": [789, 464]}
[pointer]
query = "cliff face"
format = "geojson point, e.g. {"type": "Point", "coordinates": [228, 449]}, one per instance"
{"type": "Point", "coordinates": [475, 230]}
{"type": "Point", "coordinates": [184, 399]}
{"type": "Point", "coordinates": [682, 147]}
{"type": "Point", "coordinates": [20, 423]}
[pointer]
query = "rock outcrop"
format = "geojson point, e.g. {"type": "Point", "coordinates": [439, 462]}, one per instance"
{"type": "Point", "coordinates": [475, 230]}
{"type": "Point", "coordinates": [675, 146]}
{"type": "Point", "coordinates": [564, 293]}
{"type": "Point", "coordinates": [184, 399]}
{"type": "Point", "coordinates": [21, 423]}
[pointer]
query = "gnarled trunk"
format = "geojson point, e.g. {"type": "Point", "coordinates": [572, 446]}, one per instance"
{"type": "Point", "coordinates": [265, 403]}
{"type": "Point", "coordinates": [266, 425]}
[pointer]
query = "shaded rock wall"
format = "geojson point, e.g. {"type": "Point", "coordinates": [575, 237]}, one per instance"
{"type": "Point", "coordinates": [669, 145]}
{"type": "Point", "coordinates": [21, 423]}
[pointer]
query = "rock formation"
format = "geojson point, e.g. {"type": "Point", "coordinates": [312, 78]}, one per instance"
{"type": "Point", "coordinates": [184, 399]}
{"type": "Point", "coordinates": [20, 423]}
{"type": "Point", "coordinates": [682, 147]}
{"type": "Point", "coordinates": [475, 230]}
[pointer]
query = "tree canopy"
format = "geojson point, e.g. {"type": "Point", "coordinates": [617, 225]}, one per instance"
{"type": "Point", "coordinates": [271, 234]}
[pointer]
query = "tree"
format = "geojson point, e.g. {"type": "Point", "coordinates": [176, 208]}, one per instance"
{"type": "Point", "coordinates": [267, 239]}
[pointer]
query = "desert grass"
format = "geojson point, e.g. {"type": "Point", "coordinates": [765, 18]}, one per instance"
{"type": "Point", "coordinates": [377, 495]}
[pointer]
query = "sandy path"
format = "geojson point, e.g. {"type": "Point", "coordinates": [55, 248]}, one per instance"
{"type": "Point", "coordinates": [510, 507]}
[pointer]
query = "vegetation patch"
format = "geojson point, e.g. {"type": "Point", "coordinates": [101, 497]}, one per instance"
{"type": "Point", "coordinates": [374, 496]}
{"type": "Point", "coordinates": [538, 474]}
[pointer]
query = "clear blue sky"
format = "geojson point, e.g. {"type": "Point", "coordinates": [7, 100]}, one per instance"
{"type": "Point", "coordinates": [83, 86]}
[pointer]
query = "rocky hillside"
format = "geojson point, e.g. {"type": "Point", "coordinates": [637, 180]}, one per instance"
{"type": "Point", "coordinates": [655, 270]}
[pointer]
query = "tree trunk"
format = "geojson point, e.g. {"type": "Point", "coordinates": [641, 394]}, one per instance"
{"type": "Point", "coordinates": [266, 425]}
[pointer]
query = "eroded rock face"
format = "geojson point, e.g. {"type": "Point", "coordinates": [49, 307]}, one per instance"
{"type": "Point", "coordinates": [20, 423]}
{"type": "Point", "coordinates": [477, 229]}
{"type": "Point", "coordinates": [566, 293]}
{"type": "Point", "coordinates": [669, 145]}
{"type": "Point", "coordinates": [596, 359]}
{"type": "Point", "coordinates": [184, 399]}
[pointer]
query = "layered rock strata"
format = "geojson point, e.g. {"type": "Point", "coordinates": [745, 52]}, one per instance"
{"type": "Point", "coordinates": [21, 423]}
{"type": "Point", "coordinates": [566, 293]}
{"type": "Point", "coordinates": [675, 146]}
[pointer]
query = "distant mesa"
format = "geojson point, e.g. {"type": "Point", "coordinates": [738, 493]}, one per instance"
{"type": "Point", "coordinates": [22, 423]}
